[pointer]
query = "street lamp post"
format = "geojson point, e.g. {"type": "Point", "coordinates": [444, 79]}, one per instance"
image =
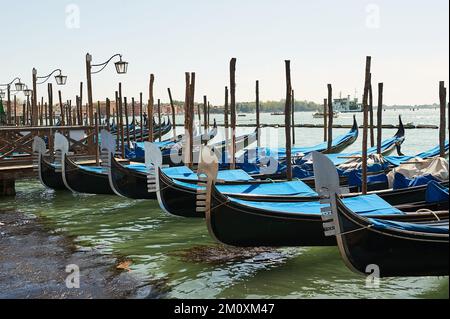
{"type": "Point", "coordinates": [19, 87]}
{"type": "Point", "coordinates": [59, 79]}
{"type": "Point", "coordinates": [121, 68]}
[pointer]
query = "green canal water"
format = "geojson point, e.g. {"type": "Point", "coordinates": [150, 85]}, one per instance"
{"type": "Point", "coordinates": [160, 246]}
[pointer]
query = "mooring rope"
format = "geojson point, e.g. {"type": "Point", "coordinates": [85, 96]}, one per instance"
{"type": "Point", "coordinates": [426, 210]}
{"type": "Point", "coordinates": [355, 230]}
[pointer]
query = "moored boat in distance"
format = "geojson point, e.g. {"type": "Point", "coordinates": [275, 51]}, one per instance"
{"type": "Point", "coordinates": [319, 115]}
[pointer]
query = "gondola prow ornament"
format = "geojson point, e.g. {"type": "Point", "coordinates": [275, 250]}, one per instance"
{"type": "Point", "coordinates": [61, 147]}
{"type": "Point", "coordinates": [327, 186]}
{"type": "Point", "coordinates": [207, 173]}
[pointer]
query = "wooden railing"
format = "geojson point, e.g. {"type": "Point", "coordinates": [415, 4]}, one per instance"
{"type": "Point", "coordinates": [16, 142]}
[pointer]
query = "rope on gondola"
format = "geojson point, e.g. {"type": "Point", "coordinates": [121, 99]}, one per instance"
{"type": "Point", "coordinates": [221, 204]}
{"type": "Point", "coordinates": [354, 230]}
{"type": "Point", "coordinates": [425, 210]}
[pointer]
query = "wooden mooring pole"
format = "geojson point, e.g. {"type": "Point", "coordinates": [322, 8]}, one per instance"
{"type": "Point", "coordinates": [150, 108]}
{"type": "Point", "coordinates": [159, 120]}
{"type": "Point", "coordinates": [292, 117]}
{"type": "Point", "coordinates": [226, 111]}
{"type": "Point", "coordinates": [325, 120]}
{"type": "Point", "coordinates": [133, 107]}
{"type": "Point", "coordinates": [191, 122]}
{"type": "Point", "coordinates": [122, 135]}
{"type": "Point", "coordinates": [233, 111]}
{"type": "Point", "coordinates": [187, 118]}
{"type": "Point", "coordinates": [97, 144]}
{"type": "Point", "coordinates": [257, 114]}
{"type": "Point", "coordinates": [172, 107]}
{"type": "Point", "coordinates": [379, 117]}
{"type": "Point", "coordinates": [141, 116]}
{"type": "Point", "coordinates": [205, 113]}
{"type": "Point", "coordinates": [365, 124]}
{"type": "Point", "coordinates": [61, 107]}
{"type": "Point", "coordinates": [372, 133]}
{"type": "Point", "coordinates": [443, 102]}
{"type": "Point", "coordinates": [108, 114]}
{"type": "Point", "coordinates": [127, 124]}
{"type": "Point", "coordinates": [287, 120]}
{"type": "Point", "coordinates": [330, 118]}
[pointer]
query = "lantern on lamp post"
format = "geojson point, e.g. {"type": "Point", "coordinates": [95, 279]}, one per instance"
{"type": "Point", "coordinates": [19, 87]}
{"type": "Point", "coordinates": [59, 79]}
{"type": "Point", "coordinates": [121, 68]}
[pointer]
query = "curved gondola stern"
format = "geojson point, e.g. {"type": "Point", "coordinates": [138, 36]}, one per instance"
{"type": "Point", "coordinates": [355, 127]}
{"type": "Point", "coordinates": [109, 168]}
{"type": "Point", "coordinates": [39, 149]}
{"type": "Point", "coordinates": [153, 162]}
{"type": "Point", "coordinates": [38, 169]}
{"type": "Point", "coordinates": [64, 161]}
{"type": "Point", "coordinates": [401, 128]}
{"type": "Point", "coordinates": [107, 155]}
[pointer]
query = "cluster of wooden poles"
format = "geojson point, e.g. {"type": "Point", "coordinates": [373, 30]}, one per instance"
{"type": "Point", "coordinates": [89, 115]}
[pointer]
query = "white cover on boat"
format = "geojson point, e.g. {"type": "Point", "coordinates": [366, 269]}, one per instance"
{"type": "Point", "coordinates": [438, 167]}
{"type": "Point", "coordinates": [356, 163]}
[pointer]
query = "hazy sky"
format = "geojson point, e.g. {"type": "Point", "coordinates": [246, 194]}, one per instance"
{"type": "Point", "coordinates": [326, 41]}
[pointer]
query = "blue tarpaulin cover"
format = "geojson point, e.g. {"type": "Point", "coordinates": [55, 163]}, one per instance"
{"type": "Point", "coordinates": [401, 181]}
{"type": "Point", "coordinates": [397, 160]}
{"type": "Point", "coordinates": [439, 228]}
{"type": "Point", "coordinates": [250, 155]}
{"type": "Point", "coordinates": [335, 158]}
{"type": "Point", "coordinates": [295, 188]}
{"type": "Point", "coordinates": [355, 178]}
{"type": "Point", "coordinates": [93, 169]}
{"type": "Point", "coordinates": [226, 175]}
{"type": "Point", "coordinates": [363, 205]}
{"type": "Point", "coordinates": [436, 193]}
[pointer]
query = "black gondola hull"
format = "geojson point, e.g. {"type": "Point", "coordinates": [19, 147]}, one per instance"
{"type": "Point", "coordinates": [129, 183]}
{"type": "Point", "coordinates": [394, 253]}
{"type": "Point", "coordinates": [176, 200]}
{"type": "Point", "coordinates": [241, 225]}
{"type": "Point", "coordinates": [81, 181]}
{"type": "Point", "coordinates": [48, 175]}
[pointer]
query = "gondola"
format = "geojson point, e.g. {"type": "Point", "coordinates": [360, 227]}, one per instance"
{"type": "Point", "coordinates": [131, 180]}
{"type": "Point", "coordinates": [128, 182]}
{"type": "Point", "coordinates": [338, 144]}
{"type": "Point", "coordinates": [158, 131]}
{"type": "Point", "coordinates": [49, 175]}
{"type": "Point", "coordinates": [388, 146]}
{"type": "Point", "coordinates": [179, 199]}
{"type": "Point", "coordinates": [137, 155]}
{"type": "Point", "coordinates": [395, 248]}
{"type": "Point", "coordinates": [246, 224]}
{"type": "Point", "coordinates": [83, 179]}
{"type": "Point", "coordinates": [174, 157]}
{"type": "Point", "coordinates": [177, 196]}
{"type": "Point", "coordinates": [255, 223]}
